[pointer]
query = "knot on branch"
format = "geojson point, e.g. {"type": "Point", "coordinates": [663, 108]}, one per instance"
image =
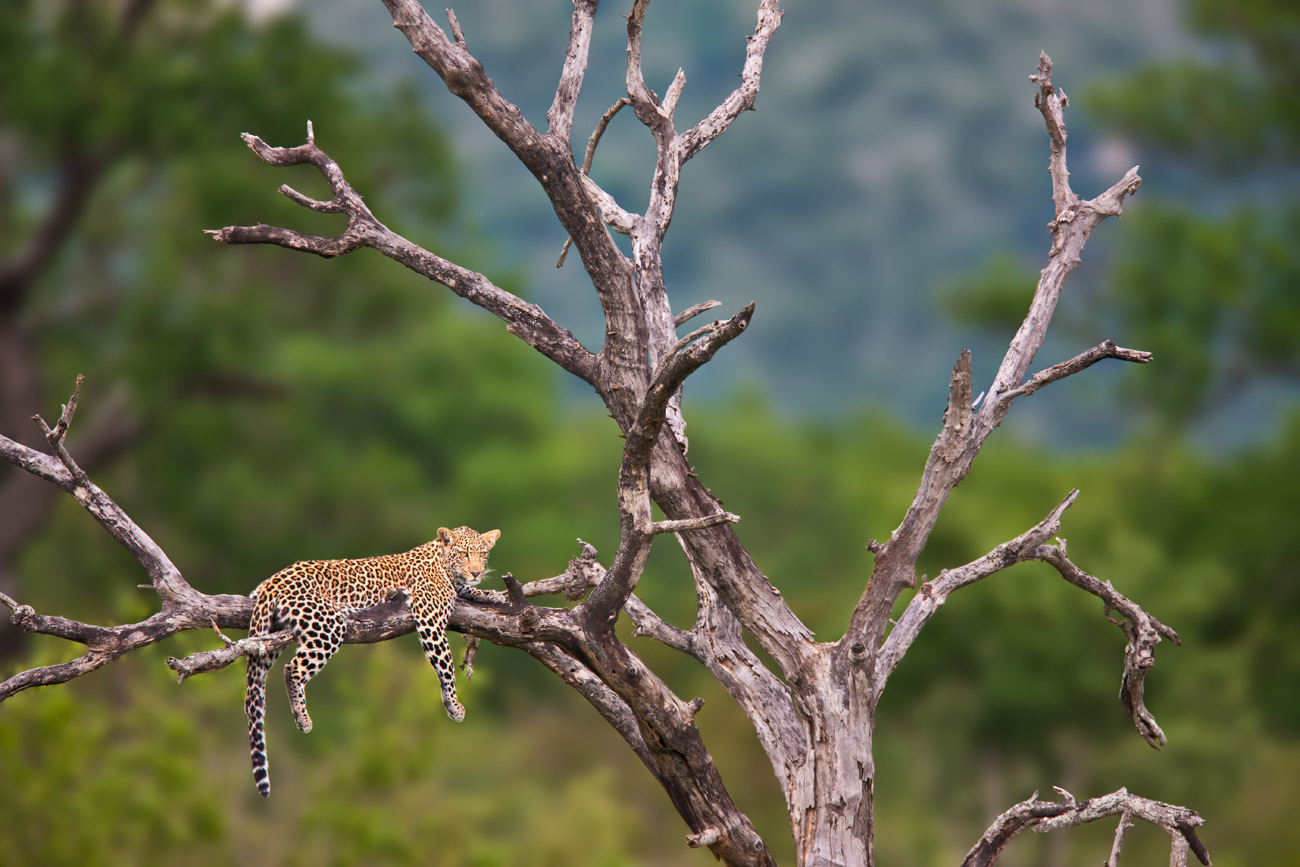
{"type": "Point", "coordinates": [21, 615]}
{"type": "Point", "coordinates": [704, 838]}
{"type": "Point", "coordinates": [858, 654]}
{"type": "Point", "coordinates": [584, 571]}
{"type": "Point", "coordinates": [525, 612]}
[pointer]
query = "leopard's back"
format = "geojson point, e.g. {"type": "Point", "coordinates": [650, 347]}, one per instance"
{"type": "Point", "coordinates": [344, 585]}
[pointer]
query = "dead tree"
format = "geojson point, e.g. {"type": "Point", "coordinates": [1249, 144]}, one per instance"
{"type": "Point", "coordinates": [814, 713]}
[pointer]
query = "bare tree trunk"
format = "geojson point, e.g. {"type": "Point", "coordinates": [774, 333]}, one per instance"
{"type": "Point", "coordinates": [814, 711]}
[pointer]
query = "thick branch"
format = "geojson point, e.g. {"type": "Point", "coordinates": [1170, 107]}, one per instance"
{"type": "Point", "coordinates": [1043, 816]}
{"type": "Point", "coordinates": [634, 473]}
{"type": "Point", "coordinates": [548, 157]}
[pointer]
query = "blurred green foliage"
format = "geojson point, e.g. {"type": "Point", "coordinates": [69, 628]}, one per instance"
{"type": "Point", "coordinates": [298, 408]}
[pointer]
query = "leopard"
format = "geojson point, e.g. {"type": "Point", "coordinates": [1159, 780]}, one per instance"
{"type": "Point", "coordinates": [314, 597]}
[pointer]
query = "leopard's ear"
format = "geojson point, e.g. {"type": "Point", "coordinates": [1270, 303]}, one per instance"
{"type": "Point", "coordinates": [444, 536]}
{"type": "Point", "coordinates": [490, 537]}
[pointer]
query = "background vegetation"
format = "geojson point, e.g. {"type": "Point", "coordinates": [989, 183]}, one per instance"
{"type": "Point", "coordinates": [296, 408]}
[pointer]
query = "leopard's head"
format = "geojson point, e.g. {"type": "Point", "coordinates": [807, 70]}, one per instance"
{"type": "Point", "coordinates": [464, 553]}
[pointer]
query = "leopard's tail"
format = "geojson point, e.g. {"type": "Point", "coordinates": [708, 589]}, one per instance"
{"type": "Point", "coordinates": [255, 700]}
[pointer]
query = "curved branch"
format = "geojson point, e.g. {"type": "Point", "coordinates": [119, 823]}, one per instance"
{"type": "Point", "coordinates": [1143, 631]}
{"type": "Point", "coordinates": [1043, 816]}
{"type": "Point", "coordinates": [645, 103]}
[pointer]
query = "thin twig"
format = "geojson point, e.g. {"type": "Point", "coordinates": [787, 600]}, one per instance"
{"type": "Point", "coordinates": [1121, 831]}
{"type": "Point", "coordinates": [685, 524]}
{"type": "Point", "coordinates": [1082, 361]}
{"type": "Point", "coordinates": [591, 155]}
{"type": "Point", "coordinates": [456, 32]}
{"type": "Point", "coordinates": [694, 310]}
{"type": "Point", "coordinates": [65, 417]}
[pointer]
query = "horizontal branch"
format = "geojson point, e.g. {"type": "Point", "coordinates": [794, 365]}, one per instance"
{"type": "Point", "coordinates": [1044, 816]}
{"type": "Point", "coordinates": [684, 524]}
{"type": "Point", "coordinates": [515, 627]}
{"type": "Point", "coordinates": [214, 660]}
{"type": "Point", "coordinates": [1082, 361]}
{"type": "Point", "coordinates": [105, 644]}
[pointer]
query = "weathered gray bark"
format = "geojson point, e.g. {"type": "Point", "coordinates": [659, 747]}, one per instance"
{"type": "Point", "coordinates": [814, 715]}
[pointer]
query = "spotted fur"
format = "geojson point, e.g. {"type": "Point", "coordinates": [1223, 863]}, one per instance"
{"type": "Point", "coordinates": [313, 598]}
